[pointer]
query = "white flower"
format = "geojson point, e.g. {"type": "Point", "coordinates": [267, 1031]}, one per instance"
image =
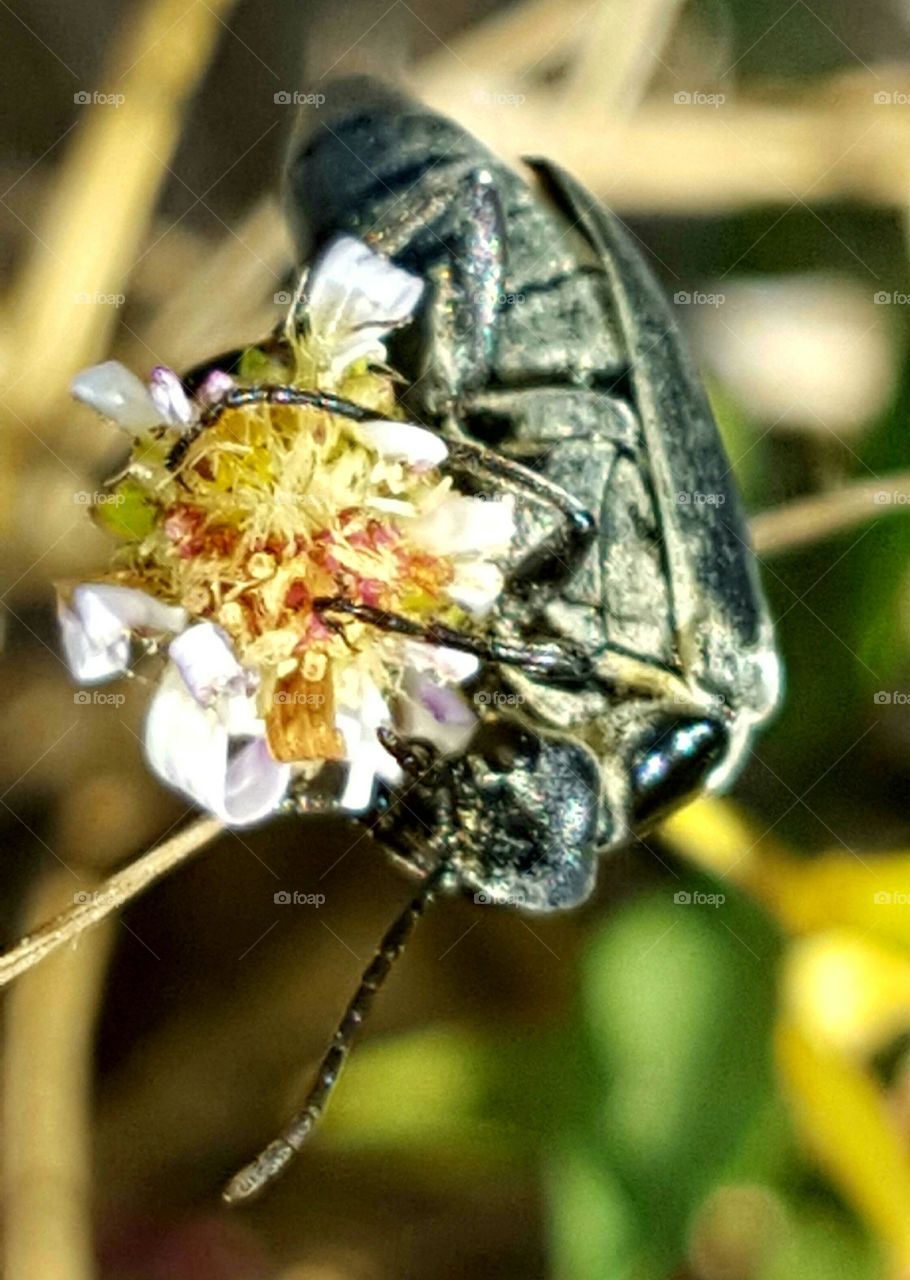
{"type": "Point", "coordinates": [97, 623]}
{"type": "Point", "coordinates": [476, 586]}
{"type": "Point", "coordinates": [354, 298]}
{"type": "Point", "coordinates": [202, 707]}
{"type": "Point", "coordinates": [429, 708]}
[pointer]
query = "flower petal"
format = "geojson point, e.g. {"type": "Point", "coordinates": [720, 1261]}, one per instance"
{"type": "Point", "coordinates": [188, 747]}
{"type": "Point", "coordinates": [215, 387]}
{"type": "Point", "coordinates": [405, 442]}
{"type": "Point", "coordinates": [255, 784]}
{"type": "Point", "coordinates": [367, 758]}
{"type": "Point", "coordinates": [436, 714]}
{"type": "Point", "coordinates": [462, 525]}
{"type": "Point", "coordinates": [354, 297]}
{"type": "Point", "coordinates": [96, 625]}
{"type": "Point", "coordinates": [114, 391]}
{"type": "Point", "coordinates": [169, 397]}
{"type": "Point", "coordinates": [204, 656]}
{"type": "Point", "coordinates": [476, 586]}
{"type": "Point", "coordinates": [452, 666]}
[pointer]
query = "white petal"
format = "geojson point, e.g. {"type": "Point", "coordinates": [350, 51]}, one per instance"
{"type": "Point", "coordinates": [367, 758]}
{"type": "Point", "coordinates": [452, 666]}
{"type": "Point", "coordinates": [188, 747]}
{"type": "Point", "coordinates": [435, 714]}
{"type": "Point", "coordinates": [205, 658]}
{"type": "Point", "coordinates": [360, 786]}
{"type": "Point", "coordinates": [170, 399]}
{"type": "Point", "coordinates": [91, 661]}
{"type": "Point", "coordinates": [354, 297]}
{"type": "Point", "coordinates": [405, 442]}
{"type": "Point", "coordinates": [114, 391]}
{"type": "Point", "coordinates": [255, 784]}
{"type": "Point", "coordinates": [97, 623]}
{"type": "Point", "coordinates": [346, 351]}
{"type": "Point", "coordinates": [476, 586]}
{"type": "Point", "coordinates": [390, 506]}
{"type": "Point", "coordinates": [461, 525]}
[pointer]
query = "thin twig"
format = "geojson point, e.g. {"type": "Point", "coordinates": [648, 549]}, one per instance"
{"type": "Point", "coordinates": [111, 894]}
{"type": "Point", "coordinates": [619, 53]}
{"type": "Point", "coordinates": [808, 520]}
{"type": "Point", "coordinates": [47, 1098]}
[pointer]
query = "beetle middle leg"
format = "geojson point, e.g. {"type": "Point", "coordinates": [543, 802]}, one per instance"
{"type": "Point", "coordinates": [556, 660]}
{"type": "Point", "coordinates": [557, 557]}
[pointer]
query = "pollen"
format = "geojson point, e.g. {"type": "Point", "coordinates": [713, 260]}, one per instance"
{"type": "Point", "coordinates": [273, 508]}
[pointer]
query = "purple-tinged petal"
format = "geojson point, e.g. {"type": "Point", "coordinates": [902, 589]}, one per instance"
{"type": "Point", "coordinates": [215, 387]}
{"type": "Point", "coordinates": [204, 656]}
{"type": "Point", "coordinates": [255, 784]}
{"type": "Point", "coordinates": [435, 714]}
{"type": "Point", "coordinates": [188, 747]}
{"type": "Point", "coordinates": [98, 621]}
{"type": "Point", "coordinates": [170, 399]}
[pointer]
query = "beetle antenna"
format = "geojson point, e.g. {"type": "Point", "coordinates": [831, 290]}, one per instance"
{"type": "Point", "coordinates": [272, 1162]}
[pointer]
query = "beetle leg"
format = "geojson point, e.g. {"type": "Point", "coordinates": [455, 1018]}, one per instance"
{"type": "Point", "coordinates": [464, 262]}
{"type": "Point", "coordinates": [558, 556]}
{"type": "Point", "coordinates": [271, 394]}
{"type": "Point", "coordinates": [558, 661]}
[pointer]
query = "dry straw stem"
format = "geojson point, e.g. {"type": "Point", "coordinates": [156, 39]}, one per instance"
{"type": "Point", "coordinates": [619, 54]}
{"type": "Point", "coordinates": [810, 520]}
{"type": "Point", "coordinates": [109, 896]}
{"type": "Point", "coordinates": [97, 213]}
{"type": "Point", "coordinates": [47, 1099]}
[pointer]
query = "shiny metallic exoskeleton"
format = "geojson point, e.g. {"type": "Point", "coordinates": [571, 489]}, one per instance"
{"type": "Point", "coordinates": [630, 657]}
{"type": "Point", "coordinates": [639, 653]}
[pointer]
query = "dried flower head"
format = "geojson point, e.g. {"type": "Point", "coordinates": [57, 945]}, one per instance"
{"type": "Point", "coordinates": [239, 514]}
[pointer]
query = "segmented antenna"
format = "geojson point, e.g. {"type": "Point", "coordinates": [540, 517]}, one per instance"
{"type": "Point", "coordinates": [271, 1163]}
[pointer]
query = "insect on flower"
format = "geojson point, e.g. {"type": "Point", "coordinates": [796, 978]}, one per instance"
{"type": "Point", "coordinates": [420, 484]}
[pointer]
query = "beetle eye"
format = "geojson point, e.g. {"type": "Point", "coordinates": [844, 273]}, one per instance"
{"type": "Point", "coordinates": [671, 764]}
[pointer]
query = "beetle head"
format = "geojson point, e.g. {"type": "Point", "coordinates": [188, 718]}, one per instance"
{"type": "Point", "coordinates": [517, 817]}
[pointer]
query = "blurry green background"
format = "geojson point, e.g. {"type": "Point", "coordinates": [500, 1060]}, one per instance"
{"type": "Point", "coordinates": [662, 1084]}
